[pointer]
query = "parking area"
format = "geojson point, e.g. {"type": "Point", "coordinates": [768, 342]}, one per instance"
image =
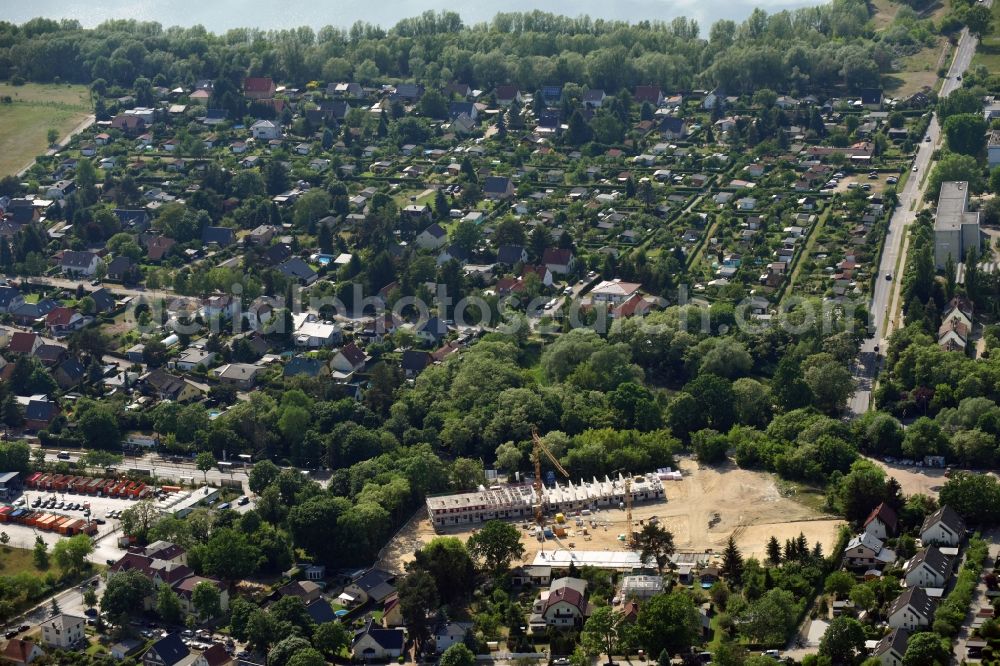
{"type": "Point", "coordinates": [103, 510]}
{"type": "Point", "coordinates": [873, 182]}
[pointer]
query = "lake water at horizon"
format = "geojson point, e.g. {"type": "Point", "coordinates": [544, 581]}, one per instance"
{"type": "Point", "coordinates": [221, 15]}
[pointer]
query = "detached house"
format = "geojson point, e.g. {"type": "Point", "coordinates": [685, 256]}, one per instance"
{"type": "Point", "coordinates": [944, 527]}
{"type": "Point", "coordinates": [928, 568]}
{"type": "Point", "coordinates": [563, 605]}
{"type": "Point", "coordinates": [10, 298]}
{"type": "Point", "coordinates": [911, 609]}
{"type": "Point", "coordinates": [258, 87]}
{"type": "Point", "coordinates": [374, 643]}
{"type": "Point", "coordinates": [63, 631]}
{"type": "Point", "coordinates": [891, 649]}
{"type": "Point", "coordinates": [673, 128]}
{"type": "Point", "coordinates": [867, 551]}
{"type": "Point", "coordinates": [265, 130]}
{"type": "Point", "coordinates": [507, 95]}
{"type": "Point", "coordinates": [375, 585]}
{"type": "Point", "coordinates": [432, 238]}
{"type": "Point", "coordinates": [559, 261]}
{"type": "Point", "coordinates": [241, 375]}
{"type": "Point", "coordinates": [221, 236]}
{"type": "Point", "coordinates": [511, 254]}
{"type": "Point", "coordinates": [347, 361]}
{"type": "Point", "coordinates": [450, 633]}
{"type": "Point", "coordinates": [651, 94]}
{"type": "Point", "coordinates": [19, 651]}
{"type": "Point", "coordinates": [498, 187]}
{"type": "Point", "coordinates": [79, 263]}
{"type": "Point", "coordinates": [63, 320]}
{"type": "Point", "coordinates": [295, 268]}
{"type": "Point", "coordinates": [882, 522]}
{"type": "Point", "coordinates": [168, 651]}
{"type": "Point", "coordinates": [24, 343]}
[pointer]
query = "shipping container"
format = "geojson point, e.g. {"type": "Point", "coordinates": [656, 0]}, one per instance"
{"type": "Point", "coordinates": [170, 489]}
{"type": "Point", "coordinates": [71, 527]}
{"type": "Point", "coordinates": [5, 513]}
{"type": "Point", "coordinates": [32, 481]}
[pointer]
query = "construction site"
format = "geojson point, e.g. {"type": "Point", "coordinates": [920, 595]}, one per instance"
{"type": "Point", "coordinates": [702, 509]}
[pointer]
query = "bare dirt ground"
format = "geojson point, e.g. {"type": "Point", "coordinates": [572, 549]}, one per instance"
{"type": "Point", "coordinates": [748, 503]}
{"type": "Point", "coordinates": [924, 480]}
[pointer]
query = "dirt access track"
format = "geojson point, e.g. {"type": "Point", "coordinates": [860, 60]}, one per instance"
{"type": "Point", "coordinates": [748, 503]}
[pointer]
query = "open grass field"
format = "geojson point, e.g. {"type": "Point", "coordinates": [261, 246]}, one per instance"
{"type": "Point", "coordinates": [919, 70]}
{"type": "Point", "coordinates": [34, 109]}
{"type": "Point", "coordinates": [14, 561]}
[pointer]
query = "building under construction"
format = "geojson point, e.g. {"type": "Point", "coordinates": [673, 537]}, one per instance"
{"type": "Point", "coordinates": [517, 502]}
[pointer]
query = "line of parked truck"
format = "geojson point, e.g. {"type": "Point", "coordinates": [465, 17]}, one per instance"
{"type": "Point", "coordinates": [86, 485]}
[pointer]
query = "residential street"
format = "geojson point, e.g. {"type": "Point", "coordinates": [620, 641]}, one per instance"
{"type": "Point", "coordinates": [887, 291]}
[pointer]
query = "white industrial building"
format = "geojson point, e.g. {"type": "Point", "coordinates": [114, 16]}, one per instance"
{"type": "Point", "coordinates": [517, 502]}
{"type": "Point", "coordinates": [956, 229]}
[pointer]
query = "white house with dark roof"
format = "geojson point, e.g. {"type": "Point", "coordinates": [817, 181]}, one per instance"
{"type": "Point", "coordinates": [928, 568]}
{"type": "Point", "coordinates": [432, 237]}
{"type": "Point", "coordinates": [347, 361]}
{"type": "Point", "coordinates": [374, 585]}
{"type": "Point", "coordinates": [892, 647]}
{"type": "Point", "coordinates": [79, 263]}
{"type": "Point", "coordinates": [375, 643]}
{"type": "Point", "coordinates": [911, 609]}
{"type": "Point", "coordinates": [447, 634]}
{"type": "Point", "coordinates": [944, 527]}
{"type": "Point", "coordinates": [498, 187]}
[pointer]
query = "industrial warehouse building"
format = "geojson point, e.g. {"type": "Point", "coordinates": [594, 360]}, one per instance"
{"type": "Point", "coordinates": [956, 229]}
{"type": "Point", "coordinates": [517, 502]}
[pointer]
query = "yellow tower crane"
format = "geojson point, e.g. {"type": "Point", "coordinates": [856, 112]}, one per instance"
{"type": "Point", "coordinates": [538, 448]}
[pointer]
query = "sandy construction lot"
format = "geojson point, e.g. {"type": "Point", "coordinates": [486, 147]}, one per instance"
{"type": "Point", "coordinates": [925, 480]}
{"type": "Point", "coordinates": [748, 504]}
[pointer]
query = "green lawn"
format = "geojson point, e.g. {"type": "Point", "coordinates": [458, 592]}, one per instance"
{"type": "Point", "coordinates": [15, 561]}
{"type": "Point", "coordinates": [988, 51]}
{"type": "Point", "coordinates": [34, 109]}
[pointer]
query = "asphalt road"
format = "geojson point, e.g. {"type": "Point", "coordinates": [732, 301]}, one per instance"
{"type": "Point", "coordinates": [887, 292]}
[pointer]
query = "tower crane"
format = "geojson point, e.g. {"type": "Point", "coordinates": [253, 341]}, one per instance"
{"type": "Point", "coordinates": [629, 534]}
{"type": "Point", "coordinates": [539, 448]}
